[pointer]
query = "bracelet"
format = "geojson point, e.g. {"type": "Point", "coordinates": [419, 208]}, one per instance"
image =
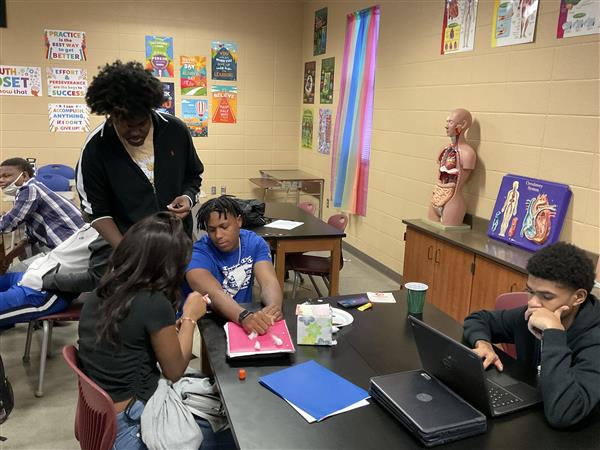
{"type": "Point", "coordinates": [188, 318]}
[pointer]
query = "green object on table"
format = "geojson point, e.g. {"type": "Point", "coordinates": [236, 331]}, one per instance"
{"type": "Point", "coordinates": [416, 297]}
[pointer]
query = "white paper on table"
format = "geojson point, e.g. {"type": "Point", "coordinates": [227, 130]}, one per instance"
{"type": "Point", "coordinates": [284, 224]}
{"type": "Point", "coordinates": [381, 297]}
{"type": "Point", "coordinates": [311, 419]}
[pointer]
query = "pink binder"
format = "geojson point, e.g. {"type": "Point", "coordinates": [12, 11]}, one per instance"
{"type": "Point", "coordinates": [276, 340]}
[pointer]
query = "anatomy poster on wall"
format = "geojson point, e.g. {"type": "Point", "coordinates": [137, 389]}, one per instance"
{"type": "Point", "coordinates": [159, 56]}
{"type": "Point", "coordinates": [195, 116]}
{"type": "Point", "coordinates": [224, 61]}
{"type": "Point", "coordinates": [529, 213]}
{"type": "Point", "coordinates": [65, 45]}
{"type": "Point", "coordinates": [578, 18]}
{"type": "Point", "coordinates": [69, 118]}
{"type": "Point", "coordinates": [169, 104]}
{"type": "Point", "coordinates": [327, 72]}
{"type": "Point", "coordinates": [193, 75]}
{"type": "Point", "coordinates": [325, 131]}
{"type": "Point", "coordinates": [320, 36]}
{"type": "Point", "coordinates": [513, 22]}
{"type": "Point", "coordinates": [224, 104]}
{"type": "Point", "coordinates": [307, 128]}
{"type": "Point", "coordinates": [458, 26]}
{"type": "Point", "coordinates": [66, 82]}
{"type": "Point", "coordinates": [309, 82]}
{"type": "Point", "coordinates": [21, 80]}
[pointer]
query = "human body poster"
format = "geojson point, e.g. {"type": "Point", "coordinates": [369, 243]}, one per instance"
{"type": "Point", "coordinates": [193, 75]}
{"type": "Point", "coordinates": [325, 131]}
{"type": "Point", "coordinates": [224, 104]}
{"type": "Point", "coordinates": [159, 56]}
{"type": "Point", "coordinates": [327, 73]}
{"type": "Point", "coordinates": [320, 36]}
{"type": "Point", "coordinates": [513, 22]}
{"type": "Point", "coordinates": [66, 82]}
{"type": "Point", "coordinates": [195, 116]}
{"type": "Point", "coordinates": [309, 82]}
{"type": "Point", "coordinates": [64, 45]}
{"type": "Point", "coordinates": [458, 26]}
{"type": "Point", "coordinates": [69, 118]}
{"type": "Point", "coordinates": [21, 81]}
{"type": "Point", "coordinates": [169, 104]}
{"type": "Point", "coordinates": [307, 128]}
{"type": "Point", "coordinates": [224, 61]}
{"type": "Point", "coordinates": [578, 18]}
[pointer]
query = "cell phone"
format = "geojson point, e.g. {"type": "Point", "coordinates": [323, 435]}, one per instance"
{"type": "Point", "coordinates": [353, 302]}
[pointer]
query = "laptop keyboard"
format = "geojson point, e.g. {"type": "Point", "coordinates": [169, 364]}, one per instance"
{"type": "Point", "coordinates": [501, 397]}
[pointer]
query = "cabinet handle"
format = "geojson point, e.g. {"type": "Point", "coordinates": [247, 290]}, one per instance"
{"type": "Point", "coordinates": [437, 255]}
{"type": "Point", "coordinates": [430, 252]}
{"type": "Point", "coordinates": [513, 287]}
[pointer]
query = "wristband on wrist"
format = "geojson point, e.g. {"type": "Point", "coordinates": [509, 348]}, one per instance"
{"type": "Point", "coordinates": [190, 319]}
{"type": "Point", "coordinates": [245, 313]}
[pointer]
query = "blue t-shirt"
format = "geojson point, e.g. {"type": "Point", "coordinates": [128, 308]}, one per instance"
{"type": "Point", "coordinates": [206, 255]}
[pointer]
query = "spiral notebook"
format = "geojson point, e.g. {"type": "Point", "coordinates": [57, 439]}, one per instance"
{"type": "Point", "coordinates": [276, 340]}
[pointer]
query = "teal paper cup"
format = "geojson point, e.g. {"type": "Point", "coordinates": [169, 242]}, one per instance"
{"type": "Point", "coordinates": [416, 297]}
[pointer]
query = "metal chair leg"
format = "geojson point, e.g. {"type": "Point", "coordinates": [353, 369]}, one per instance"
{"type": "Point", "coordinates": [28, 341]}
{"type": "Point", "coordinates": [315, 285]}
{"type": "Point", "coordinates": [295, 285]}
{"type": "Point", "coordinates": [49, 352]}
{"type": "Point", "coordinates": [43, 354]}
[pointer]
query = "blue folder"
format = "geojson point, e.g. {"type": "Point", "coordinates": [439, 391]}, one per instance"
{"type": "Point", "coordinates": [314, 389]}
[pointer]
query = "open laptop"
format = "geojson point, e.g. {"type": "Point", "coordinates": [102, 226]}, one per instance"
{"type": "Point", "coordinates": [459, 368]}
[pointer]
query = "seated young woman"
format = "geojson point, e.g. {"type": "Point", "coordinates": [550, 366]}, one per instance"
{"type": "Point", "coordinates": [128, 324]}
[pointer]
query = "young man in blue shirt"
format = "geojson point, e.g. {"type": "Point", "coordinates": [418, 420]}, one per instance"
{"type": "Point", "coordinates": [226, 261]}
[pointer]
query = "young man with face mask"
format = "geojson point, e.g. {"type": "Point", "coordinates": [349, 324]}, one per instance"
{"type": "Point", "coordinates": [557, 333]}
{"type": "Point", "coordinates": [226, 261]}
{"type": "Point", "coordinates": [139, 161]}
{"type": "Point", "coordinates": [49, 218]}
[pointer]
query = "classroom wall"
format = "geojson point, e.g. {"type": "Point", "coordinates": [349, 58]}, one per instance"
{"type": "Point", "coordinates": [268, 34]}
{"type": "Point", "coordinates": [536, 111]}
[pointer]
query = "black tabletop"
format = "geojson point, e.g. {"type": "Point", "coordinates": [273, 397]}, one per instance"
{"type": "Point", "coordinates": [378, 342]}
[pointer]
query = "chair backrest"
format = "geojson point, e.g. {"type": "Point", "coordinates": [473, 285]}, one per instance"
{"type": "Point", "coordinates": [56, 183]}
{"type": "Point", "coordinates": [96, 418]}
{"type": "Point", "coordinates": [57, 169]}
{"type": "Point", "coordinates": [340, 221]}
{"type": "Point", "coordinates": [308, 207]}
{"type": "Point", "coordinates": [511, 300]}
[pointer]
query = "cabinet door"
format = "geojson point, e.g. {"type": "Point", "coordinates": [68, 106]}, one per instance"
{"type": "Point", "coordinates": [492, 279]}
{"type": "Point", "coordinates": [452, 280]}
{"type": "Point", "coordinates": [418, 257]}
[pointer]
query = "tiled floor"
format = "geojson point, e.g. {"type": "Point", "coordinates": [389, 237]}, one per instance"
{"type": "Point", "coordinates": [47, 422]}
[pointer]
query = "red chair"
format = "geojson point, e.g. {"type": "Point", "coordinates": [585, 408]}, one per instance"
{"type": "Point", "coordinates": [511, 300]}
{"type": "Point", "coordinates": [96, 418]}
{"type": "Point", "coordinates": [315, 265]}
{"type": "Point", "coordinates": [71, 314]}
{"type": "Point", "coordinates": [308, 207]}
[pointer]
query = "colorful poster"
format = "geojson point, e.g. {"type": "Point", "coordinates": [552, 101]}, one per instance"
{"type": "Point", "coordinates": [320, 36]}
{"type": "Point", "coordinates": [458, 26]}
{"type": "Point", "coordinates": [578, 18]}
{"type": "Point", "coordinates": [195, 116]}
{"type": "Point", "coordinates": [309, 81]}
{"type": "Point", "coordinates": [65, 45]}
{"type": "Point", "coordinates": [63, 82]}
{"type": "Point", "coordinates": [224, 61]}
{"type": "Point", "coordinates": [224, 104]}
{"type": "Point", "coordinates": [69, 118]}
{"type": "Point", "coordinates": [327, 72]}
{"type": "Point", "coordinates": [513, 22]}
{"type": "Point", "coordinates": [325, 131]}
{"type": "Point", "coordinates": [159, 56]}
{"type": "Point", "coordinates": [20, 80]}
{"type": "Point", "coordinates": [529, 213]}
{"type": "Point", "coordinates": [307, 128]}
{"type": "Point", "coordinates": [193, 75]}
{"type": "Point", "coordinates": [169, 105]}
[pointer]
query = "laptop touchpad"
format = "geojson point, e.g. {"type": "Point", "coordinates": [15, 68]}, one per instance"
{"type": "Point", "coordinates": [500, 378]}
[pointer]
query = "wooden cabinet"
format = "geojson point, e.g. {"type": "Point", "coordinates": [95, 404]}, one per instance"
{"type": "Point", "coordinates": [492, 279]}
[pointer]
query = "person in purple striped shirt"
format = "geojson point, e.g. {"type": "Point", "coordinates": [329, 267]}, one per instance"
{"type": "Point", "coordinates": [48, 217]}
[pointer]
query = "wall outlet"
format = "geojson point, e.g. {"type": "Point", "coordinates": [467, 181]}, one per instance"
{"type": "Point", "coordinates": [327, 203]}
{"type": "Point", "coordinates": [223, 190]}
{"type": "Point", "coordinates": [213, 190]}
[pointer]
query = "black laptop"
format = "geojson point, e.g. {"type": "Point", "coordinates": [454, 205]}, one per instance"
{"type": "Point", "coordinates": [459, 368]}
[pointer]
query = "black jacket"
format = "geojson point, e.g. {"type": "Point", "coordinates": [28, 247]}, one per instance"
{"type": "Point", "coordinates": [570, 360]}
{"type": "Point", "coordinates": [111, 184]}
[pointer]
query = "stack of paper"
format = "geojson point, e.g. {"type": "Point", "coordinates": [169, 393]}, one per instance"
{"type": "Point", "coordinates": [284, 224]}
{"type": "Point", "coordinates": [276, 340]}
{"type": "Point", "coordinates": [314, 391]}
{"type": "Point", "coordinates": [381, 297]}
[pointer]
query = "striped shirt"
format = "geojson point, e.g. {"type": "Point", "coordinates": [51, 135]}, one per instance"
{"type": "Point", "coordinates": [49, 218]}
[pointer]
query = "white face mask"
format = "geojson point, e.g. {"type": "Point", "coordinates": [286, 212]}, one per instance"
{"type": "Point", "coordinates": [12, 188]}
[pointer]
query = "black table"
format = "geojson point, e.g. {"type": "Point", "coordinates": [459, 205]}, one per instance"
{"type": "Point", "coordinates": [312, 235]}
{"type": "Point", "coordinates": [378, 342]}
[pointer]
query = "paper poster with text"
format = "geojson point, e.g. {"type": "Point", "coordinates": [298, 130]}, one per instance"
{"type": "Point", "coordinates": [193, 75]}
{"type": "Point", "coordinates": [320, 33]}
{"type": "Point", "coordinates": [169, 92]}
{"type": "Point", "coordinates": [458, 26]}
{"type": "Point", "coordinates": [21, 80]}
{"type": "Point", "coordinates": [307, 128]}
{"type": "Point", "coordinates": [224, 61]}
{"type": "Point", "coordinates": [195, 116]}
{"type": "Point", "coordinates": [63, 45]}
{"type": "Point", "coordinates": [325, 131]}
{"type": "Point", "coordinates": [66, 82]}
{"type": "Point", "coordinates": [578, 18]}
{"type": "Point", "coordinates": [224, 104]}
{"type": "Point", "coordinates": [514, 22]}
{"type": "Point", "coordinates": [69, 118]}
{"type": "Point", "coordinates": [327, 72]}
{"type": "Point", "coordinates": [309, 82]}
{"type": "Point", "coordinates": [159, 56]}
